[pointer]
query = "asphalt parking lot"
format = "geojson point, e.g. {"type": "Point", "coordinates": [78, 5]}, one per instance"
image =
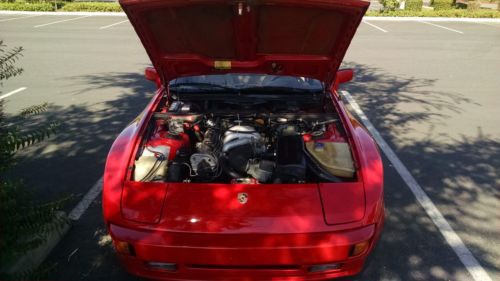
{"type": "Point", "coordinates": [431, 89]}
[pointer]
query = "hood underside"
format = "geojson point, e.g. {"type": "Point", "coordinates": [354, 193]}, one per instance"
{"type": "Point", "coordinates": [306, 38]}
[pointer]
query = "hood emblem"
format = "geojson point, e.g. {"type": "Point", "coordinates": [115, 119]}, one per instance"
{"type": "Point", "coordinates": [242, 198]}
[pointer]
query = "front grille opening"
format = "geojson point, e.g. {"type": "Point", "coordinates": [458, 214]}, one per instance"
{"type": "Point", "coordinates": [247, 267]}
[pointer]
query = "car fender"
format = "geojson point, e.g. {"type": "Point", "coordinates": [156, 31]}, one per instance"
{"type": "Point", "coordinates": [118, 160]}
{"type": "Point", "coordinates": [367, 160]}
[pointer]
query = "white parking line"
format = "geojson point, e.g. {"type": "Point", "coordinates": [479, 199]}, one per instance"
{"type": "Point", "coordinates": [54, 22]}
{"type": "Point", "coordinates": [83, 205]}
{"type": "Point", "coordinates": [18, 18]}
{"type": "Point", "coordinates": [116, 23]}
{"type": "Point", "coordinates": [440, 26]}
{"type": "Point", "coordinates": [377, 27]}
{"type": "Point", "coordinates": [431, 19]}
{"type": "Point", "coordinates": [451, 237]}
{"type": "Point", "coordinates": [13, 92]}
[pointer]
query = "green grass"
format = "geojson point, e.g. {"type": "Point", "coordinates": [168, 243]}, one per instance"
{"type": "Point", "coordinates": [455, 13]}
{"type": "Point", "coordinates": [443, 4]}
{"type": "Point", "coordinates": [92, 7]}
{"type": "Point", "coordinates": [413, 5]}
{"type": "Point", "coordinates": [22, 6]}
{"type": "Point", "coordinates": [62, 6]}
{"type": "Point", "coordinates": [115, 7]}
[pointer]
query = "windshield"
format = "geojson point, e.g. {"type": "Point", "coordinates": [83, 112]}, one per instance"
{"type": "Point", "coordinates": [246, 81]}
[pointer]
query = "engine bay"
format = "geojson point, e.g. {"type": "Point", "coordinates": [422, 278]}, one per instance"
{"type": "Point", "coordinates": [205, 141]}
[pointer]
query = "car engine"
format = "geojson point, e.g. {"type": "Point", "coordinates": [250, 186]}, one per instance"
{"type": "Point", "coordinates": [244, 148]}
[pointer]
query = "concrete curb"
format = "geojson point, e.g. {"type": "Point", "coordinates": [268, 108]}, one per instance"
{"type": "Point", "coordinates": [371, 18]}
{"type": "Point", "coordinates": [114, 14]}
{"type": "Point", "coordinates": [430, 19]}
{"type": "Point", "coordinates": [34, 258]}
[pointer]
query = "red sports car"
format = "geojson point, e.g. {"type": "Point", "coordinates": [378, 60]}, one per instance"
{"type": "Point", "coordinates": [246, 164]}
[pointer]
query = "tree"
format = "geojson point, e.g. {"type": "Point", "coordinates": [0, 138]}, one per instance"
{"type": "Point", "coordinates": [24, 223]}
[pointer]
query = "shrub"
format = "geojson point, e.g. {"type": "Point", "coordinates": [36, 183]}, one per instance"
{"type": "Point", "coordinates": [48, 6]}
{"type": "Point", "coordinates": [455, 13]}
{"type": "Point", "coordinates": [443, 4]}
{"type": "Point", "coordinates": [24, 223]}
{"type": "Point", "coordinates": [414, 5]}
{"type": "Point", "coordinates": [23, 6]}
{"type": "Point", "coordinates": [473, 5]}
{"type": "Point", "coordinates": [92, 7]}
{"type": "Point", "coordinates": [390, 5]}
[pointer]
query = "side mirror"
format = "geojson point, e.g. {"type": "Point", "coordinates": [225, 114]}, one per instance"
{"type": "Point", "coordinates": [151, 74]}
{"type": "Point", "coordinates": [344, 75]}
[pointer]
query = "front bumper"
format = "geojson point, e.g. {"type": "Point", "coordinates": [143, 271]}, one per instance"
{"type": "Point", "coordinates": [236, 256]}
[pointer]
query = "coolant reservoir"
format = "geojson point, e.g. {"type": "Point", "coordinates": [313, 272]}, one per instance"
{"type": "Point", "coordinates": [334, 157]}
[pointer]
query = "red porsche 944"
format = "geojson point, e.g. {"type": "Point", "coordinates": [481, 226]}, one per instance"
{"type": "Point", "coordinates": [246, 164]}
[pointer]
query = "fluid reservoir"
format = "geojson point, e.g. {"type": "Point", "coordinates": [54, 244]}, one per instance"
{"type": "Point", "coordinates": [152, 164]}
{"type": "Point", "coordinates": [163, 146]}
{"type": "Point", "coordinates": [334, 157]}
{"type": "Point", "coordinates": [174, 142]}
{"type": "Point", "coordinates": [332, 152]}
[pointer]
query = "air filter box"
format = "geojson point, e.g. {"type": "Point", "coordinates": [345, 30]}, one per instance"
{"type": "Point", "coordinates": [290, 160]}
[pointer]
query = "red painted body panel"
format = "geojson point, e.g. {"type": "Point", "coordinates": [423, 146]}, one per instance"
{"type": "Point", "coordinates": [137, 267]}
{"type": "Point", "coordinates": [283, 229]}
{"type": "Point", "coordinates": [287, 37]}
{"type": "Point", "coordinates": [271, 208]}
{"type": "Point", "coordinates": [344, 202]}
{"type": "Point", "coordinates": [119, 158]}
{"type": "Point", "coordinates": [136, 195]}
{"type": "Point", "coordinates": [202, 223]}
{"type": "Point", "coordinates": [239, 256]}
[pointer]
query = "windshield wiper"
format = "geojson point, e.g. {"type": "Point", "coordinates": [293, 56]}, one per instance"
{"type": "Point", "coordinates": [195, 86]}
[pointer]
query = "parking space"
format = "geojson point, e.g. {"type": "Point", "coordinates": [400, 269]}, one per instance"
{"type": "Point", "coordinates": [76, 22]}
{"type": "Point", "coordinates": [431, 92]}
{"type": "Point", "coordinates": [52, 66]}
{"type": "Point", "coordinates": [6, 18]}
{"type": "Point", "coordinates": [430, 88]}
{"type": "Point", "coordinates": [475, 28]}
{"type": "Point", "coordinates": [114, 24]}
{"type": "Point", "coordinates": [493, 24]}
{"type": "Point", "coordinates": [418, 28]}
{"type": "Point", "coordinates": [375, 26]}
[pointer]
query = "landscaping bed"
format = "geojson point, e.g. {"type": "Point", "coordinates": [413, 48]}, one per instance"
{"type": "Point", "coordinates": [92, 7]}
{"type": "Point", "coordinates": [439, 8]}
{"type": "Point", "coordinates": [452, 13]}
{"type": "Point", "coordinates": [61, 6]}
{"type": "Point", "coordinates": [442, 8]}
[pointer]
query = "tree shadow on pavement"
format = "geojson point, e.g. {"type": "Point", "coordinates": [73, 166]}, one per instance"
{"type": "Point", "coordinates": [461, 175]}
{"type": "Point", "coordinates": [73, 160]}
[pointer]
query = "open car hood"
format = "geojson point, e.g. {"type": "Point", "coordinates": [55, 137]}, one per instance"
{"type": "Point", "coordinates": [306, 38]}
